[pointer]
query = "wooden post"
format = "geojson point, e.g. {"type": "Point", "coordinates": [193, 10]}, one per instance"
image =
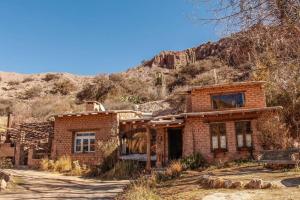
{"type": "Point", "coordinates": [7, 136]}
{"type": "Point", "coordinates": [148, 165]}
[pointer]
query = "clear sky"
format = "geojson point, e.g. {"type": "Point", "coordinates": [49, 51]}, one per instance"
{"type": "Point", "coordinates": [94, 36]}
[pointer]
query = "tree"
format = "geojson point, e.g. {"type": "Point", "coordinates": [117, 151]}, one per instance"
{"type": "Point", "coordinates": [285, 81]}
{"type": "Point", "coordinates": [243, 14]}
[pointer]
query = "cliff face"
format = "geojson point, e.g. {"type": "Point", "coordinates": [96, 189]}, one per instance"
{"type": "Point", "coordinates": [233, 51]}
{"type": "Point", "coordinates": [236, 50]}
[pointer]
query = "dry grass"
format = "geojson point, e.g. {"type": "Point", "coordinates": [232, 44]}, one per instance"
{"type": "Point", "coordinates": [64, 165]}
{"type": "Point", "coordinates": [141, 192]}
{"type": "Point", "coordinates": [174, 169]}
{"type": "Point", "coordinates": [187, 187]}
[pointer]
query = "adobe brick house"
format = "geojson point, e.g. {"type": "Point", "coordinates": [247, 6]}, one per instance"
{"type": "Point", "coordinates": [78, 134]}
{"type": "Point", "coordinates": [219, 122]}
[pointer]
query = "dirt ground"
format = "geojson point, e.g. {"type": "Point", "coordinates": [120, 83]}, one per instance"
{"type": "Point", "coordinates": [31, 184]}
{"type": "Point", "coordinates": [187, 186]}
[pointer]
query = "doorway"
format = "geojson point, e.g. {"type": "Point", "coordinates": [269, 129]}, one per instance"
{"type": "Point", "coordinates": [175, 143]}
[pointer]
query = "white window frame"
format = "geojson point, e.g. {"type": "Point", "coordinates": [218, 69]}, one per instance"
{"type": "Point", "coordinates": [83, 136]}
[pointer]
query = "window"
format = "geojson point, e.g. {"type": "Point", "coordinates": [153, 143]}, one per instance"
{"type": "Point", "coordinates": [243, 134]}
{"type": "Point", "coordinates": [218, 136]}
{"type": "Point", "coordinates": [84, 142]}
{"type": "Point", "coordinates": [234, 100]}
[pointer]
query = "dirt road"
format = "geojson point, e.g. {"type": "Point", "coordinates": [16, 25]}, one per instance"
{"type": "Point", "coordinates": [43, 185]}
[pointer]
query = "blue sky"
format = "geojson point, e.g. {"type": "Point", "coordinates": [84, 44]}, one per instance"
{"type": "Point", "coordinates": [94, 36]}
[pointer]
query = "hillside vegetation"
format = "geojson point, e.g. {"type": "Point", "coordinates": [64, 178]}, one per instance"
{"type": "Point", "coordinates": [261, 53]}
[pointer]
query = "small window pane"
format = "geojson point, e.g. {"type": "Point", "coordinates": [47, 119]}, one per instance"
{"type": "Point", "coordinates": [92, 144]}
{"type": "Point", "coordinates": [240, 140]}
{"type": "Point", "coordinates": [85, 145]}
{"type": "Point", "coordinates": [78, 141]}
{"type": "Point", "coordinates": [214, 142]}
{"type": "Point", "coordinates": [223, 141]}
{"type": "Point", "coordinates": [248, 140]}
{"type": "Point", "coordinates": [78, 148]}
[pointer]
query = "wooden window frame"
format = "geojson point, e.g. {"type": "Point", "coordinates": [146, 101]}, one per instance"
{"type": "Point", "coordinates": [227, 93]}
{"type": "Point", "coordinates": [244, 133]}
{"type": "Point", "coordinates": [219, 149]}
{"type": "Point", "coordinates": [84, 136]}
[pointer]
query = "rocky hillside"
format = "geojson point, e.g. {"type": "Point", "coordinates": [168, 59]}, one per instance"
{"type": "Point", "coordinates": [247, 55]}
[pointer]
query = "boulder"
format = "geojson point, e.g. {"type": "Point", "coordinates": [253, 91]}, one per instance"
{"type": "Point", "coordinates": [228, 183]}
{"type": "Point", "coordinates": [266, 185]}
{"type": "Point", "coordinates": [217, 183]}
{"type": "Point", "coordinates": [5, 176]}
{"type": "Point", "coordinates": [237, 184]}
{"type": "Point", "coordinates": [3, 184]}
{"type": "Point", "coordinates": [254, 184]}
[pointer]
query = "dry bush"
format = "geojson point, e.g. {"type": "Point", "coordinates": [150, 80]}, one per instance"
{"type": "Point", "coordinates": [124, 170]}
{"type": "Point", "coordinates": [63, 87]}
{"type": "Point", "coordinates": [13, 83]}
{"type": "Point", "coordinates": [44, 164]}
{"type": "Point", "coordinates": [50, 77]}
{"type": "Point", "coordinates": [63, 164]}
{"type": "Point", "coordinates": [4, 105]}
{"type": "Point", "coordinates": [50, 105]}
{"type": "Point", "coordinates": [174, 169]}
{"type": "Point", "coordinates": [28, 79]}
{"type": "Point", "coordinates": [273, 133]}
{"type": "Point", "coordinates": [32, 92]}
{"type": "Point", "coordinates": [193, 69]}
{"type": "Point", "coordinates": [97, 90]}
{"type": "Point", "coordinates": [194, 161]}
{"type": "Point", "coordinates": [116, 77]}
{"type": "Point", "coordinates": [6, 163]}
{"type": "Point", "coordinates": [141, 192]}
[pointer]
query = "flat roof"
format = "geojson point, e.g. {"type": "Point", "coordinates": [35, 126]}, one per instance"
{"type": "Point", "coordinates": [223, 85]}
{"type": "Point", "coordinates": [232, 111]}
{"type": "Point", "coordinates": [95, 113]}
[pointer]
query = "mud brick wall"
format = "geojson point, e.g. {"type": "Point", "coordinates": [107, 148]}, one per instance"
{"type": "Point", "coordinates": [102, 124]}
{"type": "Point", "coordinates": [197, 138]}
{"type": "Point", "coordinates": [254, 96]}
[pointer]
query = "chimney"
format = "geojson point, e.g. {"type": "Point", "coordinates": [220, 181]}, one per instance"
{"type": "Point", "coordinates": [93, 106]}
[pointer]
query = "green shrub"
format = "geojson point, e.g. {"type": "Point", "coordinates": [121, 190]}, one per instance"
{"type": "Point", "coordinates": [193, 161]}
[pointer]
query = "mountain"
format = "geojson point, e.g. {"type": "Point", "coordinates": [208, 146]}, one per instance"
{"type": "Point", "coordinates": [249, 55]}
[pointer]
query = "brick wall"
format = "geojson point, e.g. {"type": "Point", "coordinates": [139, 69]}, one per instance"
{"type": "Point", "coordinates": [196, 138]}
{"type": "Point", "coordinates": [6, 150]}
{"type": "Point", "coordinates": [254, 96]}
{"type": "Point", "coordinates": [65, 127]}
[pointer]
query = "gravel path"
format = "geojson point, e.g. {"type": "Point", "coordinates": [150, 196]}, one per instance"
{"type": "Point", "coordinates": [44, 185]}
